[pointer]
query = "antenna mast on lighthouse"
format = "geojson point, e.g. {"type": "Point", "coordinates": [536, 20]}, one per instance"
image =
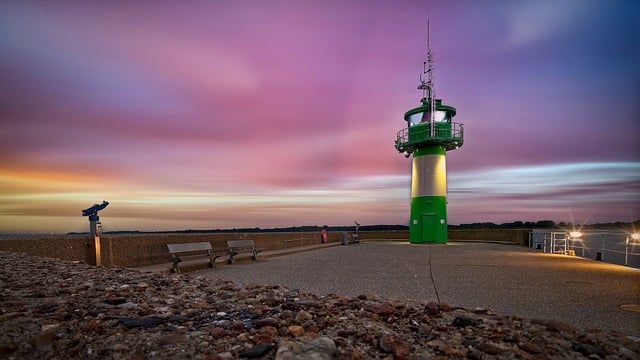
{"type": "Point", "coordinates": [427, 86]}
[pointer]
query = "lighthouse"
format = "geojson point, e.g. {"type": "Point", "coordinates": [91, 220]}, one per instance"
{"type": "Point", "coordinates": [429, 134]}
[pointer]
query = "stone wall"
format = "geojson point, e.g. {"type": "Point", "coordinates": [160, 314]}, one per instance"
{"type": "Point", "coordinates": [63, 247]}
{"type": "Point", "coordinates": [516, 236]}
{"type": "Point", "coordinates": [147, 249]}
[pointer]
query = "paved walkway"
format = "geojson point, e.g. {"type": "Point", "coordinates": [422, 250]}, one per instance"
{"type": "Point", "coordinates": [506, 278]}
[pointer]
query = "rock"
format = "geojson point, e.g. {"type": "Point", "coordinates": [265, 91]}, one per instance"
{"type": "Point", "coordinates": [347, 333]}
{"type": "Point", "coordinates": [203, 346]}
{"type": "Point", "coordinates": [286, 314]}
{"type": "Point", "coordinates": [445, 348]}
{"type": "Point", "coordinates": [223, 356]}
{"type": "Point", "coordinates": [380, 309]}
{"type": "Point", "coordinates": [218, 332]}
{"type": "Point", "coordinates": [172, 339]}
{"type": "Point", "coordinates": [322, 348]}
{"type": "Point", "coordinates": [462, 321]}
{"type": "Point", "coordinates": [302, 316]}
{"type": "Point", "coordinates": [588, 350]}
{"type": "Point", "coordinates": [265, 322]}
{"type": "Point", "coordinates": [257, 351]}
{"type": "Point", "coordinates": [8, 349]}
{"type": "Point", "coordinates": [93, 326]}
{"type": "Point", "coordinates": [531, 348]}
{"type": "Point", "coordinates": [296, 330]}
{"type": "Point", "coordinates": [394, 345]}
{"type": "Point", "coordinates": [128, 305]}
{"type": "Point", "coordinates": [178, 319]}
{"type": "Point", "coordinates": [115, 301]}
{"type": "Point", "coordinates": [553, 325]}
{"type": "Point", "coordinates": [147, 322]}
{"type": "Point", "coordinates": [238, 325]}
{"type": "Point", "coordinates": [263, 338]}
{"type": "Point", "coordinates": [489, 348]}
{"type": "Point", "coordinates": [268, 330]}
{"type": "Point", "coordinates": [119, 347]}
{"type": "Point", "coordinates": [432, 308]}
{"type": "Point", "coordinates": [43, 340]}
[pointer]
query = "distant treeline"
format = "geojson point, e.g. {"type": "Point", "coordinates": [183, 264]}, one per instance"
{"type": "Point", "coordinates": [548, 224]}
{"type": "Point", "coordinates": [542, 224]}
{"type": "Point", "coordinates": [305, 228]}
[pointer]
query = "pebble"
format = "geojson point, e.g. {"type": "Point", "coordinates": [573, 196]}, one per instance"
{"type": "Point", "coordinates": [394, 345]}
{"type": "Point", "coordinates": [265, 322]}
{"type": "Point", "coordinates": [256, 351]}
{"type": "Point", "coordinates": [172, 339]}
{"type": "Point", "coordinates": [322, 348]}
{"type": "Point", "coordinates": [302, 316]}
{"type": "Point", "coordinates": [147, 322]}
{"type": "Point", "coordinates": [461, 321]}
{"type": "Point", "coordinates": [88, 312]}
{"type": "Point", "coordinates": [295, 330]}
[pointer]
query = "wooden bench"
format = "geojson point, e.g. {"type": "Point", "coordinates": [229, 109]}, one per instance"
{"type": "Point", "coordinates": [185, 251]}
{"type": "Point", "coordinates": [242, 246]}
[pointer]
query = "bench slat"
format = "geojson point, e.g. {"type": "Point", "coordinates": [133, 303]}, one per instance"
{"type": "Point", "coordinates": [186, 247]}
{"type": "Point", "coordinates": [240, 243]}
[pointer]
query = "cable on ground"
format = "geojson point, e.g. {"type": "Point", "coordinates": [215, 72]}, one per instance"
{"type": "Point", "coordinates": [435, 289]}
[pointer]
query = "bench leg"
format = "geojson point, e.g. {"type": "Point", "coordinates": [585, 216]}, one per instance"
{"type": "Point", "coordinates": [213, 260]}
{"type": "Point", "coordinates": [176, 269]}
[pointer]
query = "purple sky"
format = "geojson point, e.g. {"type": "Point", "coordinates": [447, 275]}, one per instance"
{"type": "Point", "coordinates": [221, 114]}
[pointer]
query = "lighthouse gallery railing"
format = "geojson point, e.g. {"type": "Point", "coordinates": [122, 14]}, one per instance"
{"type": "Point", "coordinates": [449, 134]}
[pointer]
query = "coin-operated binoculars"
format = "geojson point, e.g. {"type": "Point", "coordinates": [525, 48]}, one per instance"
{"type": "Point", "coordinates": [96, 230]}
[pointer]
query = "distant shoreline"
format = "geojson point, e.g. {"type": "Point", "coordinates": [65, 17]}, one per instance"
{"type": "Point", "coordinates": [633, 226]}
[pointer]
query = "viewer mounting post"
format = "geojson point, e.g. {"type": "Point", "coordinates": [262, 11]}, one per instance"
{"type": "Point", "coordinates": [96, 230]}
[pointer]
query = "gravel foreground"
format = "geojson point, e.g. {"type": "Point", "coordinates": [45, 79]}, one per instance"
{"type": "Point", "coordinates": [53, 309]}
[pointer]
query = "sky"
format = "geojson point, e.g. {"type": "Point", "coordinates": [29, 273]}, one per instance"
{"type": "Point", "coordinates": [235, 114]}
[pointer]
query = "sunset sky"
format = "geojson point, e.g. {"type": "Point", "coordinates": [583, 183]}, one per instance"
{"type": "Point", "coordinates": [222, 114]}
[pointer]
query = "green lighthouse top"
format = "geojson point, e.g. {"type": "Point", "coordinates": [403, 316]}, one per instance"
{"type": "Point", "coordinates": [429, 124]}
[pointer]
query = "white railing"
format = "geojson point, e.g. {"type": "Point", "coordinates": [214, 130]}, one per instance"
{"type": "Point", "coordinates": [609, 246]}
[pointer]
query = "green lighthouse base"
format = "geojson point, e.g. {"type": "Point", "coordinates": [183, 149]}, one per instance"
{"type": "Point", "coordinates": [428, 222]}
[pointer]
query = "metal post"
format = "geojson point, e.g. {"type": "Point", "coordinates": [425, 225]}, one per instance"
{"type": "Point", "coordinates": [602, 258]}
{"type": "Point", "coordinates": [95, 234]}
{"type": "Point", "coordinates": [573, 245]}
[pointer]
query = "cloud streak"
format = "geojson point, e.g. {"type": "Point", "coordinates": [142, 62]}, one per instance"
{"type": "Point", "coordinates": [215, 115]}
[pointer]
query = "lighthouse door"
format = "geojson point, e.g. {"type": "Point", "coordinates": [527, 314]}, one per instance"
{"type": "Point", "coordinates": [429, 227]}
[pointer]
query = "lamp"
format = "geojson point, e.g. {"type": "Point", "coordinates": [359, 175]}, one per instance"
{"type": "Point", "coordinates": [631, 237]}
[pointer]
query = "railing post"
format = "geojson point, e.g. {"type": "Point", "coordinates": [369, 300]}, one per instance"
{"type": "Point", "coordinates": [626, 251]}
{"type": "Point", "coordinates": [602, 258]}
